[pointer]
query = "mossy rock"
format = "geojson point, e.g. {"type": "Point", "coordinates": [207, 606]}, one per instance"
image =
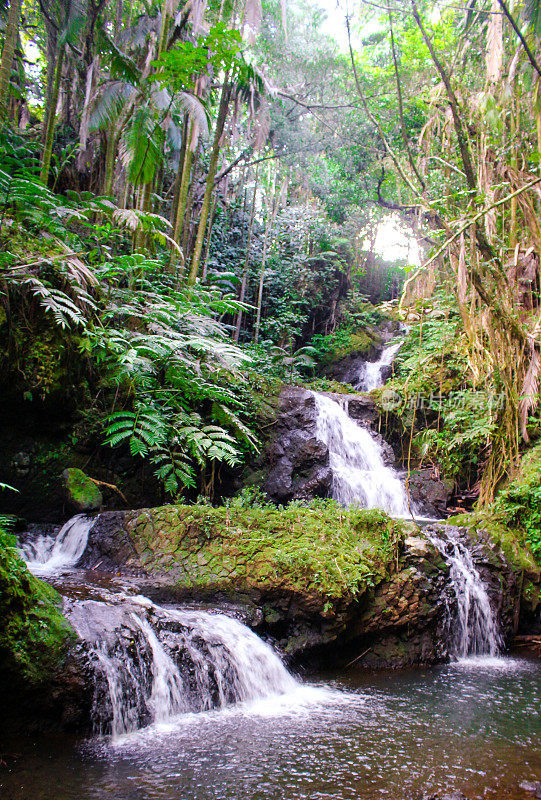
{"type": "Point", "coordinates": [81, 493]}
{"type": "Point", "coordinates": [34, 635]}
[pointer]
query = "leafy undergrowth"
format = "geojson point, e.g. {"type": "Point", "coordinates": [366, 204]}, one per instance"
{"type": "Point", "coordinates": [519, 504]}
{"type": "Point", "coordinates": [513, 521]}
{"type": "Point", "coordinates": [319, 551]}
{"type": "Point", "coordinates": [33, 632]}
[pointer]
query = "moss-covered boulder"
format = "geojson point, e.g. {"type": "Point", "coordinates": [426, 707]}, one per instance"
{"type": "Point", "coordinates": [80, 492]}
{"type": "Point", "coordinates": [301, 571]}
{"type": "Point", "coordinates": [35, 638]}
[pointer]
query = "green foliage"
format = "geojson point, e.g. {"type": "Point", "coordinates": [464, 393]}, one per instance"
{"type": "Point", "coordinates": [176, 367]}
{"type": "Point", "coordinates": [519, 504]}
{"type": "Point", "coordinates": [300, 359]}
{"type": "Point", "coordinates": [465, 427]}
{"type": "Point", "coordinates": [219, 50]}
{"type": "Point", "coordinates": [172, 387]}
{"type": "Point", "coordinates": [33, 632]}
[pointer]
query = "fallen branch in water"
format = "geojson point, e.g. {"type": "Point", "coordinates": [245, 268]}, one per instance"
{"type": "Point", "coordinates": [357, 659]}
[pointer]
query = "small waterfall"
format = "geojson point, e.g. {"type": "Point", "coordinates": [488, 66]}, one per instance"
{"type": "Point", "coordinates": [360, 476]}
{"type": "Point", "coordinates": [151, 664]}
{"type": "Point", "coordinates": [167, 696]}
{"type": "Point", "coordinates": [474, 629]}
{"type": "Point", "coordinates": [371, 373]}
{"type": "Point", "coordinates": [47, 555]}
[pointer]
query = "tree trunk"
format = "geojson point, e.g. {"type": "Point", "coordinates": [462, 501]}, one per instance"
{"type": "Point", "coordinates": [220, 124]}
{"type": "Point", "coordinates": [209, 237]}
{"type": "Point", "coordinates": [180, 211]}
{"type": "Point", "coordinates": [110, 155]}
{"type": "Point", "coordinates": [180, 170]}
{"type": "Point", "coordinates": [272, 212]}
{"type": "Point", "coordinates": [8, 53]}
{"type": "Point", "coordinates": [140, 239]}
{"type": "Point", "coordinates": [51, 118]}
{"type": "Point", "coordinates": [247, 259]}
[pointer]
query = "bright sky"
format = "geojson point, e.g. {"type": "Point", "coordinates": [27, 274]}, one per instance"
{"type": "Point", "coordinates": [392, 242]}
{"type": "Point", "coordinates": [335, 25]}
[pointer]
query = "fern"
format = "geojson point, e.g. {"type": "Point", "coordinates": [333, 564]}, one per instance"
{"type": "Point", "coordinates": [144, 430]}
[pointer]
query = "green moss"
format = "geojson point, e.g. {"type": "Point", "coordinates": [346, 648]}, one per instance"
{"type": "Point", "coordinates": [33, 632]}
{"type": "Point", "coordinates": [511, 541]}
{"type": "Point", "coordinates": [319, 550]}
{"type": "Point", "coordinates": [518, 505]}
{"type": "Point", "coordinates": [82, 492]}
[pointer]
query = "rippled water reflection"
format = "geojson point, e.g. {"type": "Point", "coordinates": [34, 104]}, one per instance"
{"type": "Point", "coordinates": [473, 727]}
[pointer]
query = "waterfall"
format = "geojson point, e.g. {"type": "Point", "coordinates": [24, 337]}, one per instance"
{"type": "Point", "coordinates": [474, 628]}
{"type": "Point", "coordinates": [360, 476]}
{"type": "Point", "coordinates": [371, 372]}
{"type": "Point", "coordinates": [48, 555]}
{"type": "Point", "coordinates": [151, 664]}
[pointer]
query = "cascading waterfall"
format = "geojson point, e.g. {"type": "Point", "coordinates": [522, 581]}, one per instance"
{"type": "Point", "coordinates": [48, 555]}
{"type": "Point", "coordinates": [371, 375]}
{"type": "Point", "coordinates": [360, 476]}
{"type": "Point", "coordinates": [474, 628]}
{"type": "Point", "coordinates": [152, 664]}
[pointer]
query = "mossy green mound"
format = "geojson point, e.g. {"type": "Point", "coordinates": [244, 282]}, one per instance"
{"type": "Point", "coordinates": [33, 632]}
{"type": "Point", "coordinates": [81, 492]}
{"type": "Point", "coordinates": [320, 552]}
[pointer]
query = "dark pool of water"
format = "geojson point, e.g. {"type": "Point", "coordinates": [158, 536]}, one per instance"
{"type": "Point", "coordinates": [464, 727]}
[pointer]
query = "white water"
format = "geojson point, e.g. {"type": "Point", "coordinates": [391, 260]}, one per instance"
{"type": "Point", "coordinates": [47, 555]}
{"type": "Point", "coordinates": [156, 665]}
{"type": "Point", "coordinates": [152, 664]}
{"type": "Point", "coordinates": [371, 373]}
{"type": "Point", "coordinates": [474, 628]}
{"type": "Point", "coordinates": [167, 698]}
{"type": "Point", "coordinates": [360, 476]}
{"type": "Point", "coordinates": [244, 666]}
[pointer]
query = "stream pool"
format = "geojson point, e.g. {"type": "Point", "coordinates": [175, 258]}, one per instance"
{"type": "Point", "coordinates": [472, 727]}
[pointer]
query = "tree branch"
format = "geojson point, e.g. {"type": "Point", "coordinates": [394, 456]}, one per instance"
{"type": "Point", "coordinates": [523, 41]}
{"type": "Point", "coordinates": [480, 214]}
{"type": "Point", "coordinates": [453, 102]}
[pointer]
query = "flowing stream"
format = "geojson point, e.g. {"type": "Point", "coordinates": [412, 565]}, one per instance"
{"type": "Point", "coordinates": [390, 736]}
{"type": "Point", "coordinates": [196, 706]}
{"type": "Point", "coordinates": [190, 703]}
{"type": "Point", "coordinates": [48, 555]}
{"type": "Point", "coordinates": [473, 627]}
{"type": "Point", "coordinates": [153, 664]}
{"type": "Point", "coordinates": [360, 476]}
{"type": "Point", "coordinates": [372, 373]}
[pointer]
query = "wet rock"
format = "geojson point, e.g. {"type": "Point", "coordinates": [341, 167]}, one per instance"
{"type": "Point", "coordinates": [416, 546]}
{"type": "Point", "coordinates": [361, 408]}
{"type": "Point", "coordinates": [21, 463]}
{"type": "Point", "coordinates": [429, 493]}
{"type": "Point", "coordinates": [401, 621]}
{"type": "Point", "coordinates": [80, 492]}
{"type": "Point", "coordinates": [299, 462]}
{"type": "Point", "coordinates": [446, 796]}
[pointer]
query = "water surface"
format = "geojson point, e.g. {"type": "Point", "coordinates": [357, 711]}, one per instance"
{"type": "Point", "coordinates": [472, 726]}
